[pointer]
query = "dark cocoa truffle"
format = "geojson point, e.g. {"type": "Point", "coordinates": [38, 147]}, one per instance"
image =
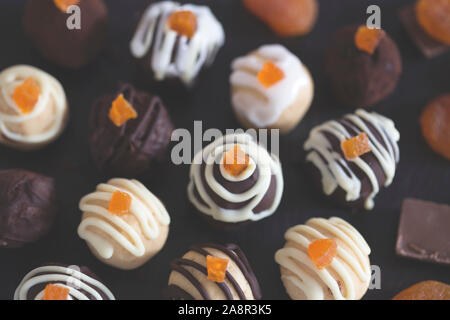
{"type": "Point", "coordinates": [46, 25]}
{"type": "Point", "coordinates": [358, 78]}
{"type": "Point", "coordinates": [139, 144]}
{"type": "Point", "coordinates": [240, 281]}
{"type": "Point", "coordinates": [27, 207]}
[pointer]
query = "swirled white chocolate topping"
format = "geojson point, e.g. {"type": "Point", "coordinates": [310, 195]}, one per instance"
{"type": "Point", "coordinates": [145, 207]}
{"type": "Point", "coordinates": [47, 118]}
{"type": "Point", "coordinates": [174, 55]}
{"type": "Point", "coordinates": [263, 171]}
{"type": "Point", "coordinates": [261, 105]}
{"type": "Point", "coordinates": [350, 265]}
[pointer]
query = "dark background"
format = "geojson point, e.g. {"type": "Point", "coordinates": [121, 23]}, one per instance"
{"type": "Point", "coordinates": [421, 173]}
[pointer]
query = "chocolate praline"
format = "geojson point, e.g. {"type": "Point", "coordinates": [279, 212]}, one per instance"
{"type": "Point", "coordinates": [27, 207]}
{"type": "Point", "coordinates": [46, 25]}
{"type": "Point", "coordinates": [358, 78]}
{"type": "Point", "coordinates": [137, 146]}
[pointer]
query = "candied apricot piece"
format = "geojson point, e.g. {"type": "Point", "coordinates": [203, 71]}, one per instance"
{"type": "Point", "coordinates": [356, 146]}
{"type": "Point", "coordinates": [270, 74]}
{"type": "Point", "coordinates": [183, 22]}
{"type": "Point", "coordinates": [63, 5]}
{"type": "Point", "coordinates": [217, 268]}
{"type": "Point", "coordinates": [120, 203]}
{"type": "Point", "coordinates": [425, 290]}
{"type": "Point", "coordinates": [26, 95]}
{"type": "Point", "coordinates": [434, 17]}
{"type": "Point", "coordinates": [121, 111]}
{"type": "Point", "coordinates": [435, 123]}
{"type": "Point", "coordinates": [55, 292]}
{"type": "Point", "coordinates": [285, 17]}
{"type": "Point", "coordinates": [367, 40]}
{"type": "Point", "coordinates": [322, 252]}
{"type": "Point", "coordinates": [235, 161]}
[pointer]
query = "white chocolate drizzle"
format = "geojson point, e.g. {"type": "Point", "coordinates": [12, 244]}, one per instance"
{"type": "Point", "coordinates": [174, 55]}
{"type": "Point", "coordinates": [264, 106]}
{"type": "Point", "coordinates": [69, 278]}
{"type": "Point", "coordinates": [312, 281]}
{"type": "Point", "coordinates": [51, 94]}
{"type": "Point", "coordinates": [260, 159]}
{"type": "Point", "coordinates": [145, 207]}
{"type": "Point", "coordinates": [335, 170]}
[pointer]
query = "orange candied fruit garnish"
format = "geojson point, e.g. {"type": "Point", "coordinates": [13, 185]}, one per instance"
{"type": "Point", "coordinates": [367, 40]}
{"type": "Point", "coordinates": [270, 74]}
{"type": "Point", "coordinates": [434, 17]}
{"type": "Point", "coordinates": [63, 5]}
{"type": "Point", "coordinates": [322, 252]}
{"type": "Point", "coordinates": [121, 111]}
{"type": "Point", "coordinates": [425, 290]}
{"type": "Point", "coordinates": [235, 161]}
{"type": "Point", "coordinates": [183, 22]}
{"type": "Point", "coordinates": [26, 95]}
{"type": "Point", "coordinates": [356, 146]}
{"type": "Point", "coordinates": [217, 268]}
{"type": "Point", "coordinates": [55, 292]}
{"type": "Point", "coordinates": [120, 203]}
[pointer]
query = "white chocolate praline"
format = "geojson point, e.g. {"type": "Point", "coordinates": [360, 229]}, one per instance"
{"type": "Point", "coordinates": [259, 159]}
{"type": "Point", "coordinates": [124, 241]}
{"type": "Point", "coordinates": [44, 123]}
{"type": "Point", "coordinates": [281, 105]}
{"type": "Point", "coordinates": [336, 171]}
{"type": "Point", "coordinates": [174, 55]}
{"type": "Point", "coordinates": [78, 283]}
{"type": "Point", "coordinates": [348, 275]}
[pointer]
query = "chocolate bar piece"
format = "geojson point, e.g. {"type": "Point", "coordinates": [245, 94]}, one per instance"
{"type": "Point", "coordinates": [426, 44]}
{"type": "Point", "coordinates": [424, 231]}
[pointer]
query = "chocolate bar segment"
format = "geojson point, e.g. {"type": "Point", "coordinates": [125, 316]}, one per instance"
{"type": "Point", "coordinates": [424, 231]}
{"type": "Point", "coordinates": [426, 44]}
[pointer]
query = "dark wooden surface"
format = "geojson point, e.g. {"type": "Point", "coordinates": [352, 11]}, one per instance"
{"type": "Point", "coordinates": [420, 174]}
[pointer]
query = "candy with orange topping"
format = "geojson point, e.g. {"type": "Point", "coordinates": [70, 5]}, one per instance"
{"type": "Point", "coordinates": [217, 268]}
{"type": "Point", "coordinates": [26, 95]}
{"type": "Point", "coordinates": [367, 40]}
{"type": "Point", "coordinates": [356, 146]}
{"type": "Point", "coordinates": [285, 17]}
{"type": "Point", "coordinates": [235, 161]}
{"type": "Point", "coordinates": [270, 74]}
{"type": "Point", "coordinates": [63, 5]}
{"type": "Point", "coordinates": [121, 111]}
{"type": "Point", "coordinates": [120, 203]}
{"type": "Point", "coordinates": [322, 252]}
{"type": "Point", "coordinates": [55, 292]}
{"type": "Point", "coordinates": [434, 17]}
{"type": "Point", "coordinates": [425, 290]}
{"type": "Point", "coordinates": [183, 22]}
{"type": "Point", "coordinates": [435, 123]}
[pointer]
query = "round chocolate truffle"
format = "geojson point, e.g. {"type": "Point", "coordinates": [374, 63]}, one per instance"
{"type": "Point", "coordinates": [357, 77]}
{"type": "Point", "coordinates": [235, 180]}
{"type": "Point", "coordinates": [62, 282]}
{"type": "Point", "coordinates": [69, 36]}
{"type": "Point", "coordinates": [351, 158]}
{"type": "Point", "coordinates": [191, 279]}
{"type": "Point", "coordinates": [346, 277]}
{"type": "Point", "coordinates": [129, 132]}
{"type": "Point", "coordinates": [176, 41]}
{"type": "Point", "coordinates": [27, 207]}
{"type": "Point", "coordinates": [33, 108]}
{"type": "Point", "coordinates": [123, 223]}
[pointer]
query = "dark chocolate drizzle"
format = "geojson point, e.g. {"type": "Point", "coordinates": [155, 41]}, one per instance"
{"type": "Point", "coordinates": [174, 292]}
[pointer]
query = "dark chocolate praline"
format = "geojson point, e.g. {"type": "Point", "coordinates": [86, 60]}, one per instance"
{"type": "Point", "coordinates": [357, 78]}
{"type": "Point", "coordinates": [27, 207]}
{"type": "Point", "coordinates": [136, 147]}
{"type": "Point", "coordinates": [46, 25]}
{"type": "Point", "coordinates": [174, 292]}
